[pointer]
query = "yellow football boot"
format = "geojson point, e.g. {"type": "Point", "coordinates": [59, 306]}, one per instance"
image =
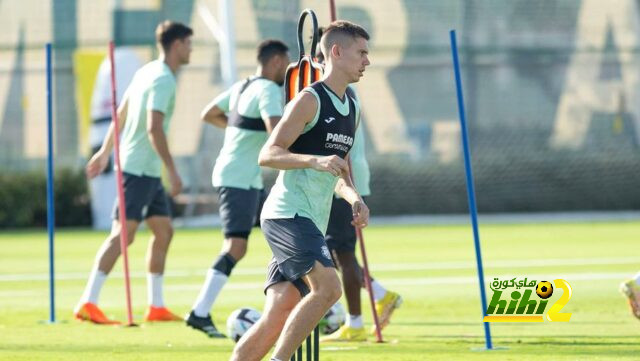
{"type": "Point", "coordinates": [346, 334]}
{"type": "Point", "coordinates": [385, 308]}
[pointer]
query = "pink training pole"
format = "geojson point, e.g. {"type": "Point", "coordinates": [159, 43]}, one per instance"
{"type": "Point", "coordinates": [332, 7]}
{"type": "Point", "coordinates": [367, 280]}
{"type": "Point", "coordinates": [365, 264]}
{"type": "Point", "coordinates": [119, 183]}
{"type": "Point", "coordinates": [365, 271]}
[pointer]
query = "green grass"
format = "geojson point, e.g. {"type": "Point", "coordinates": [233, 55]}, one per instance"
{"type": "Point", "coordinates": [432, 267]}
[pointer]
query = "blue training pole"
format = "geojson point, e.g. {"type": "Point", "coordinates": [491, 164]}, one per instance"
{"type": "Point", "coordinates": [50, 209]}
{"type": "Point", "coordinates": [471, 193]}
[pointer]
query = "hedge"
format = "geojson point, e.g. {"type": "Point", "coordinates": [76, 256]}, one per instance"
{"type": "Point", "coordinates": [23, 199]}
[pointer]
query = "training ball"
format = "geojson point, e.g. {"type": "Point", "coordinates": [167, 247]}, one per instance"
{"type": "Point", "coordinates": [544, 289]}
{"type": "Point", "coordinates": [333, 319]}
{"type": "Point", "coordinates": [240, 321]}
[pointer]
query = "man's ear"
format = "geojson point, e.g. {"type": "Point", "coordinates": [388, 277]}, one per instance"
{"type": "Point", "coordinates": [335, 50]}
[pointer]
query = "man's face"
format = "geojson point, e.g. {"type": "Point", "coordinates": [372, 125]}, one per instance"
{"type": "Point", "coordinates": [282, 61]}
{"type": "Point", "coordinates": [354, 58]}
{"type": "Point", "coordinates": [183, 49]}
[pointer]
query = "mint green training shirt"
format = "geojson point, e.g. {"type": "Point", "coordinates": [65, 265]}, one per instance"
{"type": "Point", "coordinates": [306, 192]}
{"type": "Point", "coordinates": [359, 164]}
{"type": "Point", "coordinates": [237, 164]}
{"type": "Point", "coordinates": [153, 88]}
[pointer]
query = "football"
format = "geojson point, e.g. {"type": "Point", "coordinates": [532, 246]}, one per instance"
{"type": "Point", "coordinates": [333, 319]}
{"type": "Point", "coordinates": [240, 321]}
{"type": "Point", "coordinates": [544, 289]}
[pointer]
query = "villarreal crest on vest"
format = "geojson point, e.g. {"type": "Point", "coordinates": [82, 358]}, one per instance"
{"type": "Point", "coordinates": [333, 133]}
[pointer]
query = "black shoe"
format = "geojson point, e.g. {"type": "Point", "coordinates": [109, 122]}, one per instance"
{"type": "Point", "coordinates": [204, 324]}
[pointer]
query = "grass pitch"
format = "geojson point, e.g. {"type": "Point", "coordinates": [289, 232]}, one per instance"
{"type": "Point", "coordinates": [433, 267]}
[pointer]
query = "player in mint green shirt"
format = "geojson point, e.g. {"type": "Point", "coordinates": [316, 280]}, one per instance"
{"type": "Point", "coordinates": [341, 240]}
{"type": "Point", "coordinates": [248, 111]}
{"type": "Point", "coordinates": [309, 147]}
{"type": "Point", "coordinates": [145, 112]}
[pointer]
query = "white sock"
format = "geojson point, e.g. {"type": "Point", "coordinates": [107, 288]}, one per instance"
{"type": "Point", "coordinates": [94, 285]}
{"type": "Point", "coordinates": [637, 278]}
{"type": "Point", "coordinates": [378, 291]}
{"type": "Point", "coordinates": [354, 321]}
{"type": "Point", "coordinates": [209, 292]}
{"type": "Point", "coordinates": [154, 289]}
{"type": "Point", "coordinates": [275, 359]}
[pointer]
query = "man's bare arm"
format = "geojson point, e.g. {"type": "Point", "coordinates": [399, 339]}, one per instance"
{"type": "Point", "coordinates": [346, 189]}
{"type": "Point", "coordinates": [158, 140]}
{"type": "Point", "coordinates": [99, 161]}
{"type": "Point", "coordinates": [275, 153]}
{"type": "Point", "coordinates": [212, 114]}
{"type": "Point", "coordinates": [270, 123]}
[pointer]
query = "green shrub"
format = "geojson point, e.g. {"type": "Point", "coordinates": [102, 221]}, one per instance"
{"type": "Point", "coordinates": [23, 199]}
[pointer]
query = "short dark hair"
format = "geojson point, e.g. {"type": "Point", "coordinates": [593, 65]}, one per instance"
{"type": "Point", "coordinates": [270, 48]}
{"type": "Point", "coordinates": [321, 31]}
{"type": "Point", "coordinates": [169, 31]}
{"type": "Point", "coordinates": [348, 28]}
{"type": "Point", "coordinates": [340, 29]}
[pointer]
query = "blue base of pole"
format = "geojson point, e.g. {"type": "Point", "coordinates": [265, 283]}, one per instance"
{"type": "Point", "coordinates": [48, 322]}
{"type": "Point", "coordinates": [478, 349]}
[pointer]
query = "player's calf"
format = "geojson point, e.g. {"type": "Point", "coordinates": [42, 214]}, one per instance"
{"type": "Point", "coordinates": [281, 300]}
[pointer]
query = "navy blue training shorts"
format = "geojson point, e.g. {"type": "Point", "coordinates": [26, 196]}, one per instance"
{"type": "Point", "coordinates": [296, 244]}
{"type": "Point", "coordinates": [144, 197]}
{"type": "Point", "coordinates": [239, 210]}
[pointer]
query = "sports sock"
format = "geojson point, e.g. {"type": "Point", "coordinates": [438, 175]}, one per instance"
{"type": "Point", "coordinates": [94, 285]}
{"type": "Point", "coordinates": [210, 289]}
{"type": "Point", "coordinates": [378, 291]}
{"type": "Point", "coordinates": [354, 321]}
{"type": "Point", "coordinates": [225, 264]}
{"type": "Point", "coordinates": [154, 289]}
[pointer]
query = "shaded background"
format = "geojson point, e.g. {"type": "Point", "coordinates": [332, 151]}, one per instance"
{"type": "Point", "coordinates": [551, 90]}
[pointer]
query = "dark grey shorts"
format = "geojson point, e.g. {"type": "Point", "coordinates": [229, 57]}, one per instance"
{"type": "Point", "coordinates": [341, 235]}
{"type": "Point", "coordinates": [239, 210]}
{"type": "Point", "coordinates": [296, 244]}
{"type": "Point", "coordinates": [144, 197]}
{"type": "Point", "coordinates": [274, 276]}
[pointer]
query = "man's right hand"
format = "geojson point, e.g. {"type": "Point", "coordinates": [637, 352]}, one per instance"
{"type": "Point", "coordinates": [97, 164]}
{"type": "Point", "coordinates": [332, 164]}
{"type": "Point", "coordinates": [175, 182]}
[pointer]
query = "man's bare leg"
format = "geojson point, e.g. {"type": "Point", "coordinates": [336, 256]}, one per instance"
{"type": "Point", "coordinates": [281, 299]}
{"type": "Point", "coordinates": [162, 231]}
{"type": "Point", "coordinates": [351, 281]}
{"type": "Point", "coordinates": [110, 250]}
{"type": "Point", "coordinates": [157, 251]}
{"type": "Point", "coordinates": [106, 257]}
{"type": "Point", "coordinates": [325, 291]}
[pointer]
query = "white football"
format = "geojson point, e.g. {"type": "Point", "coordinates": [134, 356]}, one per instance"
{"type": "Point", "coordinates": [240, 321]}
{"type": "Point", "coordinates": [333, 319]}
